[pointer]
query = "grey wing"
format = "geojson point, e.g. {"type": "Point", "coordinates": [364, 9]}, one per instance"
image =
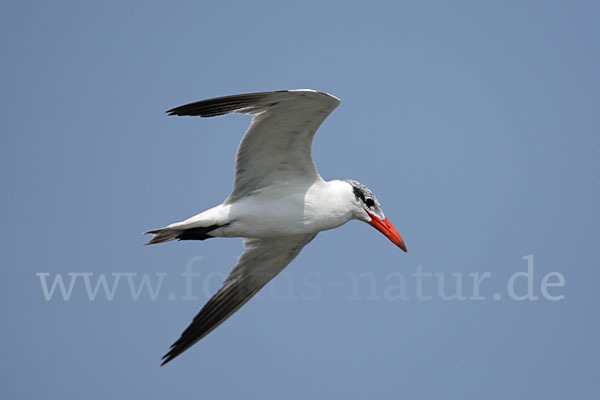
{"type": "Point", "coordinates": [277, 145]}
{"type": "Point", "coordinates": [261, 262]}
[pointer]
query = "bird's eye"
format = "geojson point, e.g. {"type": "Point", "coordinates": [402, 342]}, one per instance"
{"type": "Point", "coordinates": [369, 202]}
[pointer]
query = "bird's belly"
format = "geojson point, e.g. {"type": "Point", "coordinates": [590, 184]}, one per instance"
{"type": "Point", "coordinates": [289, 215]}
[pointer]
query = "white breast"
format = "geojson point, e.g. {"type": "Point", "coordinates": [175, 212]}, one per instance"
{"type": "Point", "coordinates": [290, 210]}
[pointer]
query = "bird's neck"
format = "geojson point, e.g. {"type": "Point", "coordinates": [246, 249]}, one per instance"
{"type": "Point", "coordinates": [329, 204]}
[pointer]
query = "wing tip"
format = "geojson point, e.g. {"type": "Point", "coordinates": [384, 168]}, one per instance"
{"type": "Point", "coordinates": [243, 103]}
{"type": "Point", "coordinates": [220, 105]}
{"type": "Point", "coordinates": [173, 352]}
{"type": "Point", "coordinates": [184, 111]}
{"type": "Point", "coordinates": [166, 359]}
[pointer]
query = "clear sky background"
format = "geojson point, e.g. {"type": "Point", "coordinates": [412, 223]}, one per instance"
{"type": "Point", "coordinates": [476, 123]}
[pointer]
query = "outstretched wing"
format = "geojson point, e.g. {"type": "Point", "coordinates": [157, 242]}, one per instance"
{"type": "Point", "coordinates": [261, 262]}
{"type": "Point", "coordinates": [277, 146]}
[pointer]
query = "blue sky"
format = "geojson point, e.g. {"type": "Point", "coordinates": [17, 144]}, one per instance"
{"type": "Point", "coordinates": [475, 122]}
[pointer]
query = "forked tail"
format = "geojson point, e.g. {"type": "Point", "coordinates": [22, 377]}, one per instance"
{"type": "Point", "coordinates": [181, 233]}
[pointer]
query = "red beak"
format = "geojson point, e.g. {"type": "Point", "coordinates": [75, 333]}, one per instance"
{"type": "Point", "coordinates": [388, 230]}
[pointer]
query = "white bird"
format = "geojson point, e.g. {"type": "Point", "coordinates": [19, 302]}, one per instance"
{"type": "Point", "coordinates": [279, 201]}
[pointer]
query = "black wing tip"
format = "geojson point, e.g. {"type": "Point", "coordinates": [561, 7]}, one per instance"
{"type": "Point", "coordinates": [165, 359]}
{"type": "Point", "coordinates": [228, 104]}
{"type": "Point", "coordinates": [171, 354]}
{"type": "Point", "coordinates": [183, 111]}
{"type": "Point", "coordinates": [219, 105]}
{"type": "Point", "coordinates": [224, 303]}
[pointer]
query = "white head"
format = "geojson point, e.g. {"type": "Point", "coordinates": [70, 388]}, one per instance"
{"type": "Point", "coordinates": [367, 208]}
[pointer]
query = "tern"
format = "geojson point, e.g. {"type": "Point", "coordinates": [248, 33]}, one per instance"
{"type": "Point", "coordinates": [279, 201]}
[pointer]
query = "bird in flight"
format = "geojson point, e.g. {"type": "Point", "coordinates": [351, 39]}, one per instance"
{"type": "Point", "coordinates": [279, 201]}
